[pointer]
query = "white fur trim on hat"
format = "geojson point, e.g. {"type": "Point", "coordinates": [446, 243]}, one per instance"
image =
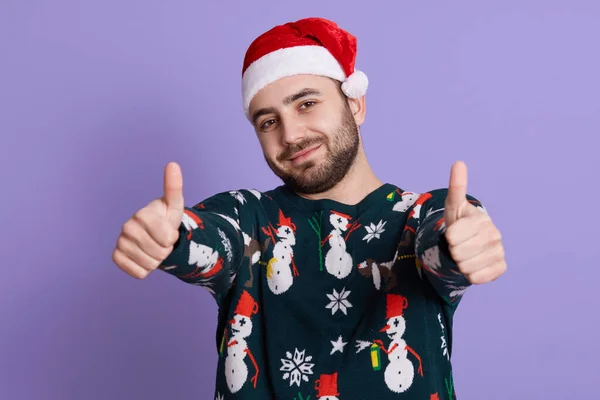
{"type": "Point", "coordinates": [356, 85]}
{"type": "Point", "coordinates": [315, 60]}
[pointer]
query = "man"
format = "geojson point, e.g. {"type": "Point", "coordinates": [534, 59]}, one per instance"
{"type": "Point", "coordinates": [335, 284]}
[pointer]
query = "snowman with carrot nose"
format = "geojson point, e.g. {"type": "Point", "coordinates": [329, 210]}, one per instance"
{"type": "Point", "coordinates": [400, 372]}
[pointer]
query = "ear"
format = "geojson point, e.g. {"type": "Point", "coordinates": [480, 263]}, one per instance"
{"type": "Point", "coordinates": [358, 108]}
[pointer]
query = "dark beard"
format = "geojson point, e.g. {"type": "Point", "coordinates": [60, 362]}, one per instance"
{"type": "Point", "coordinates": [342, 150]}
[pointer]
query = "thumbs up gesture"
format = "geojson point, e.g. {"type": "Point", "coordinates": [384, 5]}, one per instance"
{"type": "Point", "coordinates": [474, 242]}
{"type": "Point", "coordinates": [147, 238]}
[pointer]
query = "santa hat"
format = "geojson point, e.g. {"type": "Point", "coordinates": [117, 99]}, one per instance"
{"type": "Point", "coordinates": [308, 46]}
{"type": "Point", "coordinates": [286, 221]}
{"type": "Point", "coordinates": [395, 305]}
{"type": "Point", "coordinates": [345, 216]}
{"type": "Point", "coordinates": [246, 306]}
{"type": "Point", "coordinates": [326, 385]}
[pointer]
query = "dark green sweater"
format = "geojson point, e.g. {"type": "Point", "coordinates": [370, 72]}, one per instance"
{"type": "Point", "coordinates": [323, 300]}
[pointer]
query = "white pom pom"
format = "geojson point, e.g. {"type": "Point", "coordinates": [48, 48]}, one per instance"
{"type": "Point", "coordinates": [355, 85]}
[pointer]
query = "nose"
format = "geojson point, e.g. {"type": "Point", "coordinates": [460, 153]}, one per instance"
{"type": "Point", "coordinates": [292, 131]}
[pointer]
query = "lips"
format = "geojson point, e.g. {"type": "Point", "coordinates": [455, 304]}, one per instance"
{"type": "Point", "coordinates": [304, 152]}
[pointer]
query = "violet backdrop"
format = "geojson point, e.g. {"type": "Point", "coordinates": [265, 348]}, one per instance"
{"type": "Point", "coordinates": [97, 96]}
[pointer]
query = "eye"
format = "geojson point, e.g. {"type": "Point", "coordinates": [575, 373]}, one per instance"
{"type": "Point", "coordinates": [308, 104]}
{"type": "Point", "coordinates": [267, 124]}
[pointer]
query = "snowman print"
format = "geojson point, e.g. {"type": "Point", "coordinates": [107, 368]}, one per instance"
{"type": "Point", "coordinates": [400, 372]}
{"type": "Point", "coordinates": [281, 268]}
{"type": "Point", "coordinates": [326, 387]}
{"type": "Point", "coordinates": [338, 261]}
{"type": "Point", "coordinates": [406, 201]}
{"type": "Point", "coordinates": [191, 221]}
{"type": "Point", "coordinates": [236, 371]}
{"type": "Point", "coordinates": [207, 263]}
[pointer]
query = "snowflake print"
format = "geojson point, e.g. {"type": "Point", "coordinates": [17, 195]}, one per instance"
{"type": "Point", "coordinates": [296, 367]}
{"type": "Point", "coordinates": [226, 244]}
{"type": "Point", "coordinates": [219, 396]}
{"type": "Point", "coordinates": [339, 301]}
{"type": "Point", "coordinates": [374, 231]}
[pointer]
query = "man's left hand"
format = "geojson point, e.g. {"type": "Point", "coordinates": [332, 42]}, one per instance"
{"type": "Point", "coordinates": [474, 241]}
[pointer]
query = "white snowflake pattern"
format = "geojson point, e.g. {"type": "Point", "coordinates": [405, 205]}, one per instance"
{"type": "Point", "coordinates": [339, 301]}
{"type": "Point", "coordinates": [219, 396]}
{"type": "Point", "coordinates": [374, 231]}
{"type": "Point", "coordinates": [226, 245]}
{"type": "Point", "coordinates": [297, 367]}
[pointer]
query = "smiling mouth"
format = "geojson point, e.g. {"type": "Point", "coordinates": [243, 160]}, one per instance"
{"type": "Point", "coordinates": [234, 331]}
{"type": "Point", "coordinates": [304, 152]}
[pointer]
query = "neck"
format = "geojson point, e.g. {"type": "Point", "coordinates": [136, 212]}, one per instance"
{"type": "Point", "coordinates": [355, 186]}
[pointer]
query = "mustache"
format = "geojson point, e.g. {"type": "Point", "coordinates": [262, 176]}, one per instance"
{"type": "Point", "coordinates": [291, 150]}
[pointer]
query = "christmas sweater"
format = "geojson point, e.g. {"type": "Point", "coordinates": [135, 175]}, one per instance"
{"type": "Point", "coordinates": [323, 300]}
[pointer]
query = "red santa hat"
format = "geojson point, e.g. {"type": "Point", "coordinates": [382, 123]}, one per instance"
{"type": "Point", "coordinates": [286, 221]}
{"type": "Point", "coordinates": [246, 306]}
{"type": "Point", "coordinates": [308, 46]}
{"type": "Point", "coordinates": [395, 305]}
{"type": "Point", "coordinates": [345, 216]}
{"type": "Point", "coordinates": [327, 385]}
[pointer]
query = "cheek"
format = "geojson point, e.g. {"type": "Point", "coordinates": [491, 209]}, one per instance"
{"type": "Point", "coordinates": [270, 147]}
{"type": "Point", "coordinates": [325, 120]}
{"type": "Point", "coordinates": [322, 124]}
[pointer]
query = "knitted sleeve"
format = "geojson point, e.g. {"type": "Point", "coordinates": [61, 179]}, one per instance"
{"type": "Point", "coordinates": [431, 247]}
{"type": "Point", "coordinates": [210, 247]}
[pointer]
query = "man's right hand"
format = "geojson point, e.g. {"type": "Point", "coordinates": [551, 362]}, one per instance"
{"type": "Point", "coordinates": [148, 237]}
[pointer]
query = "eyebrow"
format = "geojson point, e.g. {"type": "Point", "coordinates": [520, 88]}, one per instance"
{"type": "Point", "coordinates": [302, 93]}
{"type": "Point", "coordinates": [287, 101]}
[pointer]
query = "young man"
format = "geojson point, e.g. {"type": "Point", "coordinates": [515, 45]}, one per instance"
{"type": "Point", "coordinates": [334, 285]}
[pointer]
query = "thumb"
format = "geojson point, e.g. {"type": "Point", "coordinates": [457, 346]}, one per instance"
{"type": "Point", "coordinates": [457, 192]}
{"type": "Point", "coordinates": [173, 193]}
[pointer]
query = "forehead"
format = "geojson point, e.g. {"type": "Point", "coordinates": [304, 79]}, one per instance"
{"type": "Point", "coordinates": [274, 94]}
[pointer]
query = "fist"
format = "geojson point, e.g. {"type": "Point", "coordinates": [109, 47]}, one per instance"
{"type": "Point", "coordinates": [147, 238]}
{"type": "Point", "coordinates": [475, 243]}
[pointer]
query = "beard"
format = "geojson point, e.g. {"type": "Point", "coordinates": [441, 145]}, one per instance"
{"type": "Point", "coordinates": [314, 177]}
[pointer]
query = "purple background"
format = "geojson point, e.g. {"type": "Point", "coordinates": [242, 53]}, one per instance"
{"type": "Point", "coordinates": [97, 96]}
